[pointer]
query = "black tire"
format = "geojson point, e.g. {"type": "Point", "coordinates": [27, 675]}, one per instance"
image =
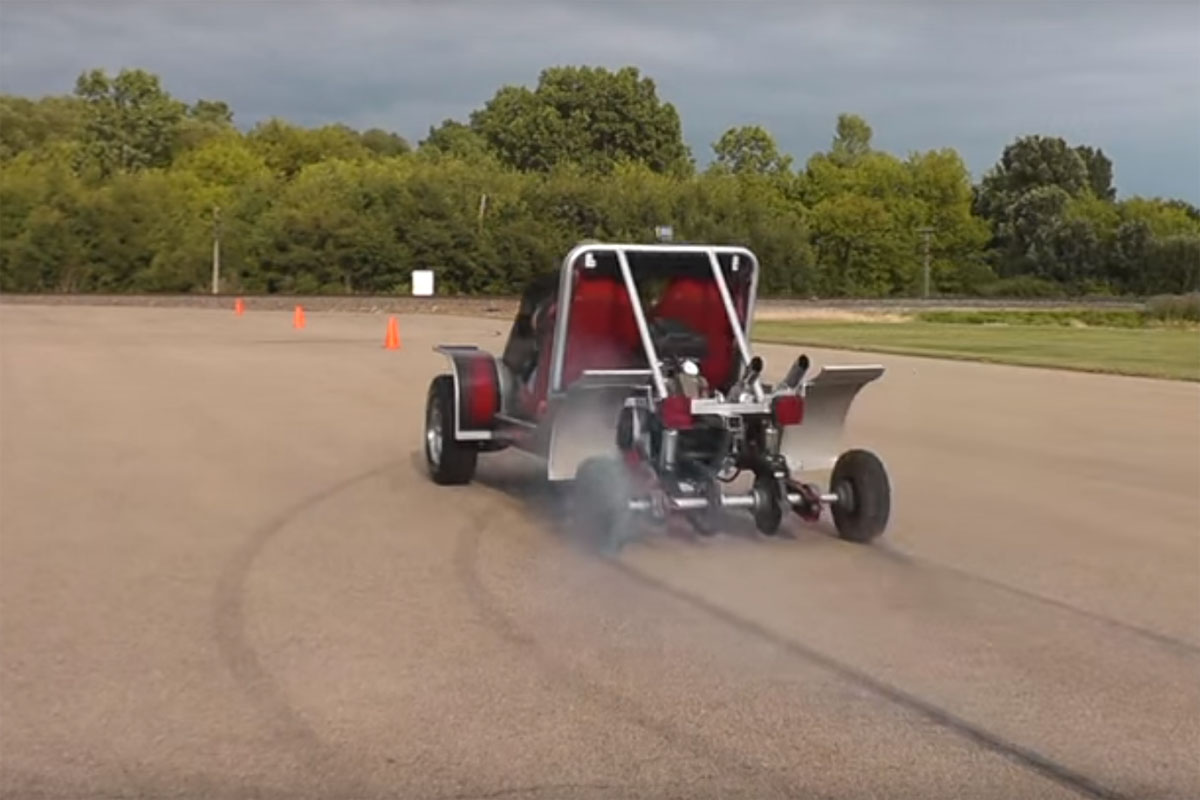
{"type": "Point", "coordinates": [601, 493]}
{"type": "Point", "coordinates": [768, 515]}
{"type": "Point", "coordinates": [864, 496]}
{"type": "Point", "coordinates": [449, 462]}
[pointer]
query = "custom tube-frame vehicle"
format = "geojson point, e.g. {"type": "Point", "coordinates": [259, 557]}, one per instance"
{"type": "Point", "coordinates": [628, 372]}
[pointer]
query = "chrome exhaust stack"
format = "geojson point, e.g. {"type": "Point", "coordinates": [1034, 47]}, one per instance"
{"type": "Point", "coordinates": [748, 381]}
{"type": "Point", "coordinates": [795, 375]}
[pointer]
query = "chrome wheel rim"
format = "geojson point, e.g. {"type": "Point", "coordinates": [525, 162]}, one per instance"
{"type": "Point", "coordinates": [433, 436]}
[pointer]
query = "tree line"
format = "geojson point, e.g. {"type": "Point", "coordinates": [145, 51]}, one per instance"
{"type": "Point", "coordinates": [121, 187]}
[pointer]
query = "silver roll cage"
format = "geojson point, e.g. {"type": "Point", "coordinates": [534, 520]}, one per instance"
{"type": "Point", "coordinates": [741, 332]}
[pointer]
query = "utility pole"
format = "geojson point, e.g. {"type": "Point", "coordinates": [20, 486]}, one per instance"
{"type": "Point", "coordinates": [926, 232]}
{"type": "Point", "coordinates": [216, 269]}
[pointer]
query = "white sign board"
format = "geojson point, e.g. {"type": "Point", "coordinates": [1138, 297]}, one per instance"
{"type": "Point", "coordinates": [422, 282]}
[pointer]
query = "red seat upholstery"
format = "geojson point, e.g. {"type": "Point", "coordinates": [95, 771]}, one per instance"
{"type": "Point", "coordinates": [602, 331]}
{"type": "Point", "coordinates": [696, 302]}
{"type": "Point", "coordinates": [601, 334]}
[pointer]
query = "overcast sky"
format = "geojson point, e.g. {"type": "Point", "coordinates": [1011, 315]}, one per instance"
{"type": "Point", "coordinates": [1124, 76]}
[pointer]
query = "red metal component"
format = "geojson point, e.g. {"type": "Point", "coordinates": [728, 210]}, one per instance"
{"type": "Point", "coordinates": [788, 409]}
{"type": "Point", "coordinates": [811, 510]}
{"type": "Point", "coordinates": [483, 394]}
{"type": "Point", "coordinates": [677, 411]}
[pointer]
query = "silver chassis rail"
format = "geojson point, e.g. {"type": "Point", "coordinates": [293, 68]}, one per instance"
{"type": "Point", "coordinates": [746, 500]}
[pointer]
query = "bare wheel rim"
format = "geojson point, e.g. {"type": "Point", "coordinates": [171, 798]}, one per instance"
{"type": "Point", "coordinates": [846, 498]}
{"type": "Point", "coordinates": [433, 435]}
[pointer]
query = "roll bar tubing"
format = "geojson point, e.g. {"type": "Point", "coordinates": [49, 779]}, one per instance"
{"type": "Point", "coordinates": [713, 252]}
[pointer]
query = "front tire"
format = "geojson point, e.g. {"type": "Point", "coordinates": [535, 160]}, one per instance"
{"type": "Point", "coordinates": [449, 461]}
{"type": "Point", "coordinates": [864, 496]}
{"type": "Point", "coordinates": [602, 491]}
{"type": "Point", "coordinates": [768, 510]}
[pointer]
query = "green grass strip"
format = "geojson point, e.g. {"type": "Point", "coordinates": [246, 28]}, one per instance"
{"type": "Point", "coordinates": [1160, 352]}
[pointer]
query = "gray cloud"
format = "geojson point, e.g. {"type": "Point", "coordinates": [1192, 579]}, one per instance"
{"type": "Point", "coordinates": [1124, 76]}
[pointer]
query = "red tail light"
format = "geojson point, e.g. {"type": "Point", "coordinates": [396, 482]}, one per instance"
{"type": "Point", "coordinates": [677, 411]}
{"type": "Point", "coordinates": [788, 409]}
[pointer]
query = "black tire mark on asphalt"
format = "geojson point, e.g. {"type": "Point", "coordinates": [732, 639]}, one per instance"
{"type": "Point", "coordinates": [526, 790]}
{"type": "Point", "coordinates": [899, 556]}
{"type": "Point", "coordinates": [745, 530]}
{"type": "Point", "coordinates": [259, 686]}
{"type": "Point", "coordinates": [264, 690]}
{"type": "Point", "coordinates": [1023, 756]}
{"type": "Point", "coordinates": [466, 561]}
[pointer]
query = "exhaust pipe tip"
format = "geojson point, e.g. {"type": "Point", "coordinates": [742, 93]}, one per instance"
{"type": "Point", "coordinates": [797, 372]}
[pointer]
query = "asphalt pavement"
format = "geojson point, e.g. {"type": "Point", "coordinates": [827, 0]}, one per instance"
{"type": "Point", "coordinates": [224, 574]}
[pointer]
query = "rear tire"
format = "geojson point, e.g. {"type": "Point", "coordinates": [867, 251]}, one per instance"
{"type": "Point", "coordinates": [601, 493]}
{"type": "Point", "coordinates": [449, 461]}
{"type": "Point", "coordinates": [864, 496]}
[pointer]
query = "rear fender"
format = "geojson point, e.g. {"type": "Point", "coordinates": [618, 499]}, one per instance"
{"type": "Point", "coordinates": [816, 443]}
{"type": "Point", "coordinates": [479, 390]}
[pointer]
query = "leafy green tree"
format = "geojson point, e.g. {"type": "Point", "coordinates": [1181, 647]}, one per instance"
{"type": "Point", "coordinates": [858, 251]}
{"type": "Point", "coordinates": [1025, 197]}
{"type": "Point", "coordinates": [130, 121]}
{"type": "Point", "coordinates": [852, 141]}
{"type": "Point", "coordinates": [1032, 162]}
{"type": "Point", "coordinates": [750, 149]}
{"type": "Point", "coordinates": [289, 148]}
{"type": "Point", "coordinates": [384, 143]}
{"type": "Point", "coordinates": [1174, 264]}
{"type": "Point", "coordinates": [1078, 256]}
{"type": "Point", "coordinates": [931, 189]}
{"type": "Point", "coordinates": [1164, 218]}
{"type": "Point", "coordinates": [322, 235]}
{"type": "Point", "coordinates": [227, 161]}
{"type": "Point", "coordinates": [1031, 226]}
{"type": "Point", "coordinates": [941, 183]}
{"type": "Point", "coordinates": [117, 187]}
{"type": "Point", "coordinates": [585, 115]}
{"type": "Point", "coordinates": [215, 112]}
{"type": "Point", "coordinates": [204, 121]}
{"type": "Point", "coordinates": [1132, 245]}
{"type": "Point", "coordinates": [27, 125]}
{"type": "Point", "coordinates": [1104, 215]}
{"type": "Point", "coordinates": [212, 182]}
{"type": "Point", "coordinates": [456, 140]}
{"type": "Point", "coordinates": [40, 205]}
{"type": "Point", "coordinates": [1099, 172]}
{"type": "Point", "coordinates": [1189, 210]}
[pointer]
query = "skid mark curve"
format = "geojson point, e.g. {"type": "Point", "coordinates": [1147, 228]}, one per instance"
{"type": "Point", "coordinates": [229, 628]}
{"type": "Point", "coordinates": [509, 629]}
{"type": "Point", "coordinates": [1023, 756]}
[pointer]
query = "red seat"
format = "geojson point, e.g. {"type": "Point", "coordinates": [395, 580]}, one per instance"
{"type": "Point", "coordinates": [602, 332]}
{"type": "Point", "coordinates": [696, 302]}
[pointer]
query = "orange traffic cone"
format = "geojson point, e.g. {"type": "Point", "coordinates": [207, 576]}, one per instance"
{"type": "Point", "coordinates": [392, 340]}
{"type": "Point", "coordinates": [239, 307]}
{"type": "Point", "coordinates": [298, 318]}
